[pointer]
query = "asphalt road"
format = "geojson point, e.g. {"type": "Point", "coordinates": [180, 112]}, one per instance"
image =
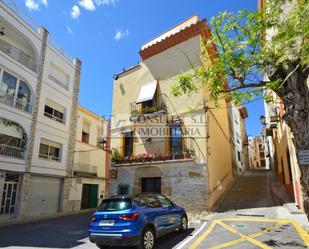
{"type": "Point", "coordinates": [65, 232]}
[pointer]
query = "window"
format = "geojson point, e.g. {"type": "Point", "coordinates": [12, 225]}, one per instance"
{"type": "Point", "coordinates": [128, 143]}
{"type": "Point", "coordinates": [176, 139]}
{"type": "Point", "coordinates": [10, 141]}
{"type": "Point", "coordinates": [115, 204]}
{"type": "Point", "coordinates": [238, 156]}
{"type": "Point", "coordinates": [58, 76]}
{"type": "Point", "coordinates": [85, 137]}
{"type": "Point", "coordinates": [164, 201]}
{"type": "Point", "coordinates": [14, 92]}
{"type": "Point", "coordinates": [50, 150]}
{"type": "Point", "coordinates": [151, 201]}
{"type": "Point", "coordinates": [54, 111]}
{"type": "Point", "coordinates": [53, 114]}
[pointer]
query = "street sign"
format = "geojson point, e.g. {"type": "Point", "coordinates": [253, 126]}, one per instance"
{"type": "Point", "coordinates": [303, 157]}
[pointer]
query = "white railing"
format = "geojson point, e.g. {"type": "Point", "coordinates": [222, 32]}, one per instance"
{"type": "Point", "coordinates": [85, 168]}
{"type": "Point", "coordinates": [54, 79]}
{"type": "Point", "coordinates": [49, 157]}
{"type": "Point", "coordinates": [18, 55]}
{"type": "Point", "coordinates": [18, 103]}
{"type": "Point", "coordinates": [54, 117]}
{"type": "Point", "coordinates": [10, 151]}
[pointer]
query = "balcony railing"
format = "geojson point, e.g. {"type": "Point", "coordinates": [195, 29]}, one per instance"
{"type": "Point", "coordinates": [10, 151]}
{"type": "Point", "coordinates": [49, 157]}
{"type": "Point", "coordinates": [85, 169]}
{"type": "Point", "coordinates": [136, 109]}
{"type": "Point", "coordinates": [18, 103]}
{"type": "Point", "coordinates": [54, 117]}
{"type": "Point", "coordinates": [18, 55]}
{"type": "Point", "coordinates": [155, 151]}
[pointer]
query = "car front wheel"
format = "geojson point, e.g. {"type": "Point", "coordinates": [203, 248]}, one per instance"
{"type": "Point", "coordinates": [183, 224]}
{"type": "Point", "coordinates": [148, 239]}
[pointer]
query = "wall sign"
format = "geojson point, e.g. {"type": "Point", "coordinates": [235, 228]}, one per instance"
{"type": "Point", "coordinates": [303, 157]}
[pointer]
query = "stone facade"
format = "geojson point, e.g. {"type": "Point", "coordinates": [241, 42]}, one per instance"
{"type": "Point", "coordinates": [68, 205]}
{"type": "Point", "coordinates": [183, 182]}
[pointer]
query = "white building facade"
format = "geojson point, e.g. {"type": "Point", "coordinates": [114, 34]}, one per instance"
{"type": "Point", "coordinates": [38, 106]}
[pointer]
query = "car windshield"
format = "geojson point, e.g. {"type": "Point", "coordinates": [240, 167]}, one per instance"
{"type": "Point", "coordinates": [115, 205]}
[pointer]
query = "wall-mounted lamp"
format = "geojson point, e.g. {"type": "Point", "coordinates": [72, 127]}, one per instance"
{"type": "Point", "coordinates": [263, 120]}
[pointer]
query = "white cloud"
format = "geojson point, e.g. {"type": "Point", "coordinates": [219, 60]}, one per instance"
{"type": "Point", "coordinates": [70, 31]}
{"type": "Point", "coordinates": [35, 4]}
{"type": "Point", "coordinates": [87, 4]}
{"type": "Point", "coordinates": [75, 12]}
{"type": "Point", "coordinates": [44, 2]}
{"type": "Point", "coordinates": [105, 2]}
{"type": "Point", "coordinates": [32, 5]}
{"type": "Point", "coordinates": [121, 34]}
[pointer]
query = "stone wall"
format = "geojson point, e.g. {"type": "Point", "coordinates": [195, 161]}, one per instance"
{"type": "Point", "coordinates": [184, 182]}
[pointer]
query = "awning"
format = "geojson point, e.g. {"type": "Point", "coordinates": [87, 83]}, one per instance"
{"type": "Point", "coordinates": [147, 92]}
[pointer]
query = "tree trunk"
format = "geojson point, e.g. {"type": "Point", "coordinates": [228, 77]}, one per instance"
{"type": "Point", "coordinates": [295, 96]}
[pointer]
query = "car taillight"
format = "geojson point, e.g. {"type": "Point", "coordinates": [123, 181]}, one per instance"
{"type": "Point", "coordinates": [129, 216]}
{"type": "Point", "coordinates": [93, 218]}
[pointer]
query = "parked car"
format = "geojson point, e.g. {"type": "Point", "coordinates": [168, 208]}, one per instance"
{"type": "Point", "coordinates": [135, 220]}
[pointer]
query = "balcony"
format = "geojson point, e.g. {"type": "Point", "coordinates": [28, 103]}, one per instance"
{"type": "Point", "coordinates": [149, 110]}
{"type": "Point", "coordinates": [18, 103]}
{"type": "Point", "coordinates": [18, 55]}
{"type": "Point", "coordinates": [155, 152]}
{"type": "Point", "coordinates": [10, 151]}
{"type": "Point", "coordinates": [83, 169]}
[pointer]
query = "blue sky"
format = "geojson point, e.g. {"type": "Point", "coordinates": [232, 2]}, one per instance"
{"type": "Point", "coordinates": [107, 35]}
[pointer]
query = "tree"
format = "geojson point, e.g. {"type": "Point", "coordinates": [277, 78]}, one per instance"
{"type": "Point", "coordinates": [273, 40]}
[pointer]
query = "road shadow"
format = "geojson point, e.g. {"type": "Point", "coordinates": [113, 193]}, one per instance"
{"type": "Point", "coordinates": [167, 241]}
{"type": "Point", "coordinates": [63, 232]}
{"type": "Point", "coordinates": [66, 232]}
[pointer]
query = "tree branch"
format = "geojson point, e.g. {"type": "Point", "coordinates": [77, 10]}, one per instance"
{"type": "Point", "coordinates": [251, 85]}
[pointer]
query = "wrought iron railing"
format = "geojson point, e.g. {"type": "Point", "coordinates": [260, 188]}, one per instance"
{"type": "Point", "coordinates": [49, 157]}
{"type": "Point", "coordinates": [18, 55]}
{"type": "Point", "coordinates": [16, 102]}
{"type": "Point", "coordinates": [10, 151]}
{"type": "Point", "coordinates": [60, 120]}
{"type": "Point", "coordinates": [137, 109]}
{"type": "Point", "coordinates": [156, 151]}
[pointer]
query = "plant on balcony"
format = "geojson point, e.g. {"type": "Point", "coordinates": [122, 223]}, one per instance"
{"type": "Point", "coordinates": [149, 109]}
{"type": "Point", "coordinates": [117, 157]}
{"type": "Point", "coordinates": [134, 112]}
{"type": "Point", "coordinates": [178, 155]}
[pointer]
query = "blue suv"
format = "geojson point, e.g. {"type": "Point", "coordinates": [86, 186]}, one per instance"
{"type": "Point", "coordinates": [135, 220]}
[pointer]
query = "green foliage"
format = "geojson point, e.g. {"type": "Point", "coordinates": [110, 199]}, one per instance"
{"type": "Point", "coordinates": [116, 156]}
{"type": "Point", "coordinates": [245, 52]}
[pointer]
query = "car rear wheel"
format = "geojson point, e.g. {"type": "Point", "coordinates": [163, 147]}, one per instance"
{"type": "Point", "coordinates": [184, 224]}
{"type": "Point", "coordinates": [148, 239]}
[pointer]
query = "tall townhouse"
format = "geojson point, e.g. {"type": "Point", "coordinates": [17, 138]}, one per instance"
{"type": "Point", "coordinates": [157, 144]}
{"type": "Point", "coordinates": [38, 105]}
{"type": "Point", "coordinates": [239, 139]}
{"type": "Point", "coordinates": [91, 161]}
{"type": "Point", "coordinates": [281, 149]}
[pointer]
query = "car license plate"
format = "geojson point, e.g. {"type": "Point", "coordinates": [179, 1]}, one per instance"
{"type": "Point", "coordinates": [107, 222]}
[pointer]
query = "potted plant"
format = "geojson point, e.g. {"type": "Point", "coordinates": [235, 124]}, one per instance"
{"type": "Point", "coordinates": [117, 157]}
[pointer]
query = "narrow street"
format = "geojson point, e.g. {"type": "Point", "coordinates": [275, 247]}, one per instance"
{"type": "Point", "coordinates": [249, 217]}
